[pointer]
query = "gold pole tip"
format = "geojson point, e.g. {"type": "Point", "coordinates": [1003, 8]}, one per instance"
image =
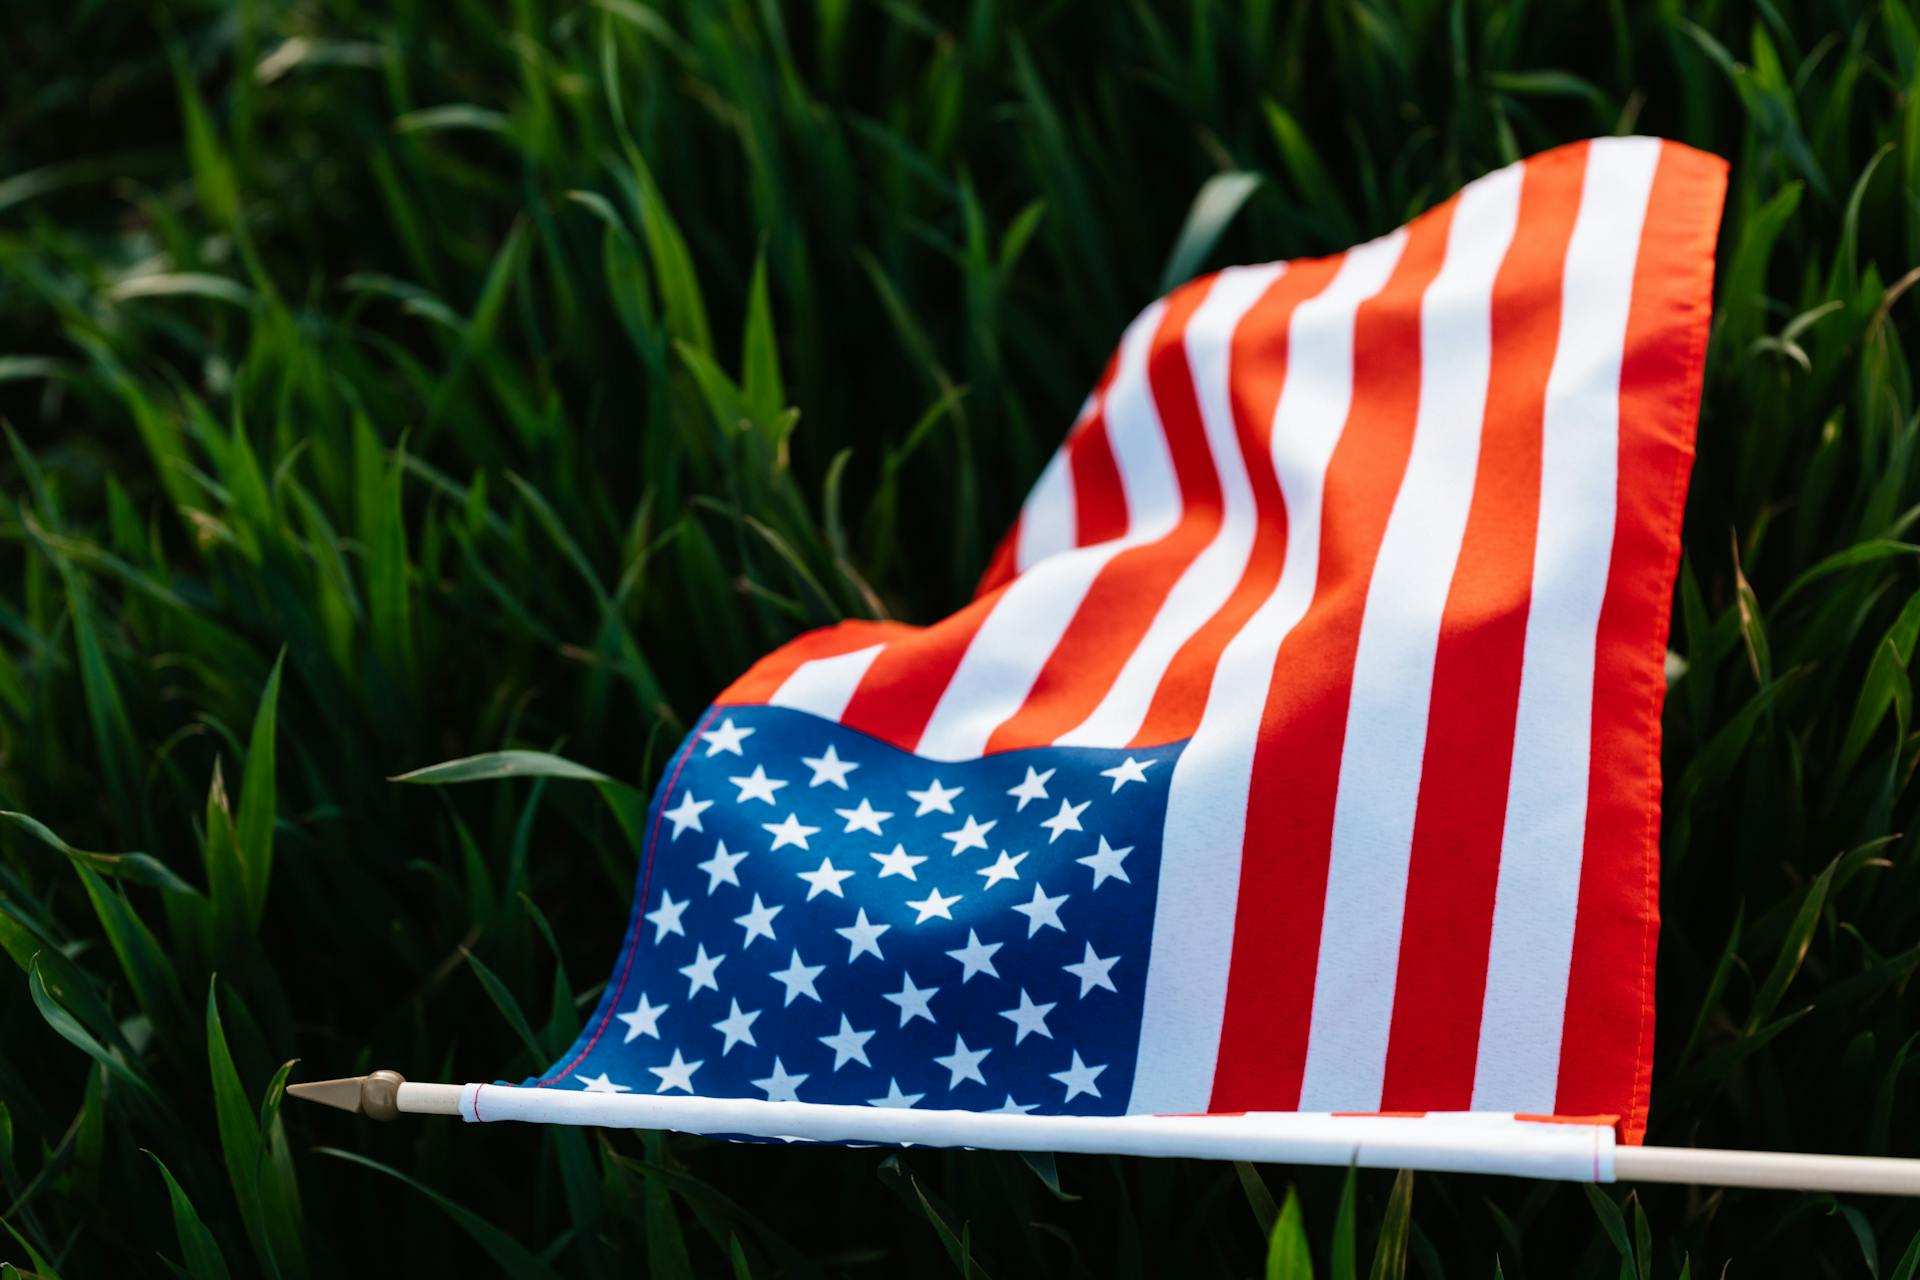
{"type": "Point", "coordinates": [375, 1095]}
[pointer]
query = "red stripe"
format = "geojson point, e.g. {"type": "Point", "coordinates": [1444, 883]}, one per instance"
{"type": "Point", "coordinates": [1100, 504]}
{"type": "Point", "coordinates": [1610, 984]}
{"type": "Point", "coordinates": [1123, 599]}
{"type": "Point", "coordinates": [1257, 370]}
{"type": "Point", "coordinates": [1455, 859]}
{"type": "Point", "coordinates": [1296, 767]}
{"type": "Point", "coordinates": [765, 677]}
{"type": "Point", "coordinates": [899, 691]}
{"type": "Point", "coordinates": [897, 696]}
{"type": "Point", "coordinates": [1004, 565]}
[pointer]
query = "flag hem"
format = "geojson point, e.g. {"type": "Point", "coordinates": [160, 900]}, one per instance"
{"type": "Point", "coordinates": [1576, 1149]}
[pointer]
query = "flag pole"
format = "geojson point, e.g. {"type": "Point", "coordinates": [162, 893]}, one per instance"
{"type": "Point", "coordinates": [1769, 1170]}
{"type": "Point", "coordinates": [1542, 1150]}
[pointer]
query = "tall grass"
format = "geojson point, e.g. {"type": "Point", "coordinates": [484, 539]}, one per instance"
{"type": "Point", "coordinates": [384, 385]}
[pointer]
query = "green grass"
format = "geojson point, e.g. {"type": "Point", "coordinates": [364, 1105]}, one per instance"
{"type": "Point", "coordinates": [386, 386]}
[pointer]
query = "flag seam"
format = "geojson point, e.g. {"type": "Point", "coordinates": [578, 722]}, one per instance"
{"type": "Point", "coordinates": [1686, 404]}
{"type": "Point", "coordinates": [646, 879]}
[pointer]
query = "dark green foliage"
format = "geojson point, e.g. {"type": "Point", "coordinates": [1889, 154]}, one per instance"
{"type": "Point", "coordinates": [389, 385]}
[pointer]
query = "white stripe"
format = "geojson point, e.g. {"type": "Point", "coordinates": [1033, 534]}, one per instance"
{"type": "Point", "coordinates": [1386, 732]}
{"type": "Point", "coordinates": [1019, 634]}
{"type": "Point", "coordinates": [824, 686]}
{"type": "Point", "coordinates": [1211, 578]}
{"type": "Point", "coordinates": [1048, 518]}
{"type": "Point", "coordinates": [1199, 888]}
{"type": "Point", "coordinates": [1540, 851]}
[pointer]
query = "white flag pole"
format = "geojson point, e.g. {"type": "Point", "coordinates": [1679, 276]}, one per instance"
{"type": "Point", "coordinates": [1442, 1142]}
{"type": "Point", "coordinates": [1771, 1170]}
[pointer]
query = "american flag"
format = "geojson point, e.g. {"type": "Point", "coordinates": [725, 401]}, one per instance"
{"type": "Point", "coordinates": [1300, 749]}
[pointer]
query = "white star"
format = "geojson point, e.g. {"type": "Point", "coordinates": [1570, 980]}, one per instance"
{"type": "Point", "coordinates": [1012, 1108]}
{"type": "Point", "coordinates": [863, 817]}
{"type": "Point", "coordinates": [963, 1063]}
{"type": "Point", "coordinates": [848, 1045]}
{"type": "Point", "coordinates": [677, 1074]}
{"type": "Point", "coordinates": [1032, 787]}
{"type": "Point", "coordinates": [976, 957]}
{"type": "Point", "coordinates": [686, 813]}
{"type": "Point", "coordinates": [1028, 1017]}
{"type": "Point", "coordinates": [970, 835]}
{"type": "Point", "coordinates": [665, 918]}
{"type": "Point", "coordinates": [1004, 869]}
{"type": "Point", "coordinates": [829, 768]}
{"type": "Point", "coordinates": [1041, 911]}
{"type": "Point", "coordinates": [643, 1021]}
{"type": "Point", "coordinates": [935, 797]}
{"type": "Point", "coordinates": [934, 904]}
{"type": "Point", "coordinates": [894, 1097]}
{"type": "Point", "coordinates": [912, 1000]}
{"type": "Point", "coordinates": [798, 978]}
{"type": "Point", "coordinates": [700, 973]}
{"type": "Point", "coordinates": [719, 867]}
{"type": "Point", "coordinates": [781, 1087]}
{"type": "Point", "coordinates": [1093, 972]}
{"type": "Point", "coordinates": [862, 936]}
{"type": "Point", "coordinates": [897, 863]}
{"type": "Point", "coordinates": [758, 922]}
{"type": "Point", "coordinates": [726, 738]}
{"type": "Point", "coordinates": [1128, 770]}
{"type": "Point", "coordinates": [757, 785]}
{"type": "Point", "coordinates": [791, 831]}
{"type": "Point", "coordinates": [600, 1084]}
{"type": "Point", "coordinates": [1079, 1078]}
{"type": "Point", "coordinates": [1068, 819]}
{"type": "Point", "coordinates": [737, 1027]}
{"type": "Point", "coordinates": [825, 878]}
{"type": "Point", "coordinates": [1106, 863]}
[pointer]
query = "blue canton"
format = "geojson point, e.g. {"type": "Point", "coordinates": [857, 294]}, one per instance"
{"type": "Point", "coordinates": [822, 917]}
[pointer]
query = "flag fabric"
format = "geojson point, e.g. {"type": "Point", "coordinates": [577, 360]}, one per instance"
{"type": "Point", "coordinates": [1299, 751]}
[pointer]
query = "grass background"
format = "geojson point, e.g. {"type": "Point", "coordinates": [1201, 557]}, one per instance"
{"type": "Point", "coordinates": [389, 384]}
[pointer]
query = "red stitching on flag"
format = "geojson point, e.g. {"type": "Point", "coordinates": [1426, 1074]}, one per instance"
{"type": "Point", "coordinates": [646, 879]}
{"type": "Point", "coordinates": [1602, 1120]}
{"type": "Point", "coordinates": [476, 1103]}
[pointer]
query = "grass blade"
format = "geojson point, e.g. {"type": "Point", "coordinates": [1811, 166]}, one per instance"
{"type": "Point", "coordinates": [254, 830]}
{"type": "Point", "coordinates": [512, 1257]}
{"type": "Point", "coordinates": [1287, 1255]}
{"type": "Point", "coordinates": [502, 764]}
{"type": "Point", "coordinates": [198, 1249]}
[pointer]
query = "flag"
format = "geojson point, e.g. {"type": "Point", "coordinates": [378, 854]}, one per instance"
{"type": "Point", "coordinates": [1299, 752]}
